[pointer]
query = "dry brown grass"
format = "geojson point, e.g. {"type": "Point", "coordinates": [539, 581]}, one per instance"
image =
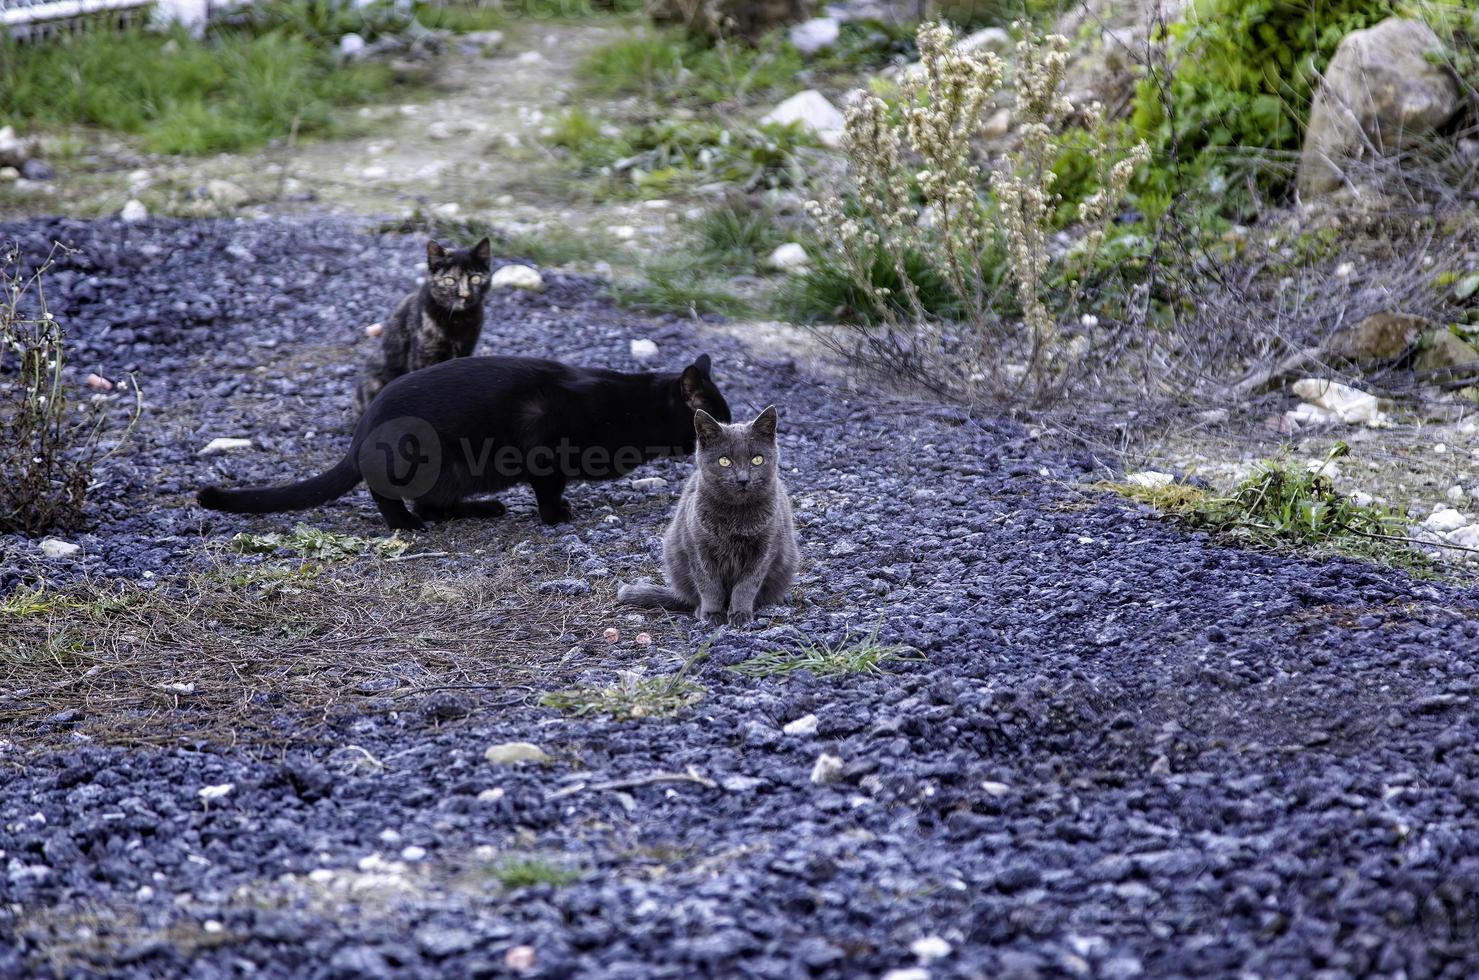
{"type": "Point", "coordinates": [263, 654]}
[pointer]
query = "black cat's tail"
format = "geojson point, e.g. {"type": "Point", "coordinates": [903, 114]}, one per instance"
{"type": "Point", "coordinates": [295, 496]}
{"type": "Point", "coordinates": [652, 597]}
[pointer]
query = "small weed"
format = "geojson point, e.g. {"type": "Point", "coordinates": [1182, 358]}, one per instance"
{"type": "Point", "coordinates": [682, 283]}
{"type": "Point", "coordinates": [853, 654]}
{"type": "Point", "coordinates": [828, 293]}
{"type": "Point", "coordinates": [1285, 504]}
{"type": "Point", "coordinates": [634, 695]}
{"type": "Point", "coordinates": [313, 543]}
{"type": "Point", "coordinates": [668, 66]}
{"type": "Point", "coordinates": [525, 872]}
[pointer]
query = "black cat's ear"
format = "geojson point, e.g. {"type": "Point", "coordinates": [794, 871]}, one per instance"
{"type": "Point", "coordinates": [434, 252]}
{"type": "Point", "coordinates": [703, 364]}
{"type": "Point", "coordinates": [691, 385]}
{"type": "Point", "coordinates": [764, 424]}
{"type": "Point", "coordinates": [483, 252]}
{"type": "Point", "coordinates": [708, 430]}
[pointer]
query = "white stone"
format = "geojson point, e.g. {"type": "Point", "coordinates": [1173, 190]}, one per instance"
{"type": "Point", "coordinates": [9, 174]}
{"type": "Point", "coordinates": [1362, 499]}
{"type": "Point", "coordinates": [649, 483]}
{"type": "Point", "coordinates": [805, 725]}
{"type": "Point", "coordinates": [811, 110]}
{"type": "Point", "coordinates": [790, 257]}
{"type": "Point", "coordinates": [930, 948]}
{"type": "Point", "coordinates": [413, 853]}
{"type": "Point", "coordinates": [908, 973]}
{"type": "Point", "coordinates": [209, 793]}
{"type": "Point", "coordinates": [1445, 519]}
{"type": "Point", "coordinates": [518, 277]}
{"type": "Point", "coordinates": [1465, 537]}
{"type": "Point", "coordinates": [828, 769]}
{"type": "Point", "coordinates": [623, 232]}
{"type": "Point", "coordinates": [998, 125]}
{"type": "Point", "coordinates": [57, 548]}
{"type": "Point", "coordinates": [224, 444]}
{"type": "Point", "coordinates": [529, 58]}
{"type": "Point", "coordinates": [133, 212]}
{"type": "Point", "coordinates": [1149, 478]}
{"type": "Point", "coordinates": [813, 35]}
{"type": "Point", "coordinates": [508, 753]}
{"type": "Point", "coordinates": [351, 46]}
{"type": "Point", "coordinates": [226, 194]}
{"type": "Point", "coordinates": [997, 790]}
{"type": "Point", "coordinates": [643, 348]}
{"type": "Point", "coordinates": [1457, 494]}
{"type": "Point", "coordinates": [487, 40]}
{"type": "Point", "coordinates": [491, 795]}
{"type": "Point", "coordinates": [1347, 403]}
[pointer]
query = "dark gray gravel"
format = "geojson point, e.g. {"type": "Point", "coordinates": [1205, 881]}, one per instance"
{"type": "Point", "coordinates": [1129, 751]}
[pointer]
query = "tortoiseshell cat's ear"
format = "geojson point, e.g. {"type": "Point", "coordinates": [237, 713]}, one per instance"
{"type": "Point", "coordinates": [434, 252]}
{"type": "Point", "coordinates": [483, 252]}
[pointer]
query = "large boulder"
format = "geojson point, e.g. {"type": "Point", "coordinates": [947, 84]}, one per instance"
{"type": "Point", "coordinates": [1380, 92]}
{"type": "Point", "coordinates": [726, 18]}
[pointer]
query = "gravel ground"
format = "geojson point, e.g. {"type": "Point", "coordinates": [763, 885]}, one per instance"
{"type": "Point", "coordinates": [1127, 751]}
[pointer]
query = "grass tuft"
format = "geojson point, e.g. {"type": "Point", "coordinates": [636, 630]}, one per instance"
{"type": "Point", "coordinates": [855, 653]}
{"type": "Point", "coordinates": [634, 695]}
{"type": "Point", "coordinates": [313, 543]}
{"type": "Point", "coordinates": [525, 872]}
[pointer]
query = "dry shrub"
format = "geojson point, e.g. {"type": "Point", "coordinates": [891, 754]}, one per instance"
{"type": "Point", "coordinates": [50, 445]}
{"type": "Point", "coordinates": [1014, 349]}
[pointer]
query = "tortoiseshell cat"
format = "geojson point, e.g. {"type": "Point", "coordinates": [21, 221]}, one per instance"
{"type": "Point", "coordinates": [438, 322]}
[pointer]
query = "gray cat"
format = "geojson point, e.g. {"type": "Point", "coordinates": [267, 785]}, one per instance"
{"type": "Point", "coordinates": [731, 545]}
{"type": "Point", "coordinates": [441, 320]}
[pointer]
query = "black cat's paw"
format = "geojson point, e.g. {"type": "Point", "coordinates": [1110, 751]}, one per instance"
{"type": "Point", "coordinates": [741, 617]}
{"type": "Point", "coordinates": [408, 523]}
{"type": "Point", "coordinates": [556, 515]}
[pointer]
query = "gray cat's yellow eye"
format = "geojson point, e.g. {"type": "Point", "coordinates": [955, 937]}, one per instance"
{"type": "Point", "coordinates": [475, 279]}
{"type": "Point", "coordinates": [725, 461]}
{"type": "Point", "coordinates": [757, 460]}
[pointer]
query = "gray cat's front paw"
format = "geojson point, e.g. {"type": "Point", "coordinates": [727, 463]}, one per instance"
{"type": "Point", "coordinates": [713, 617]}
{"type": "Point", "coordinates": [741, 617]}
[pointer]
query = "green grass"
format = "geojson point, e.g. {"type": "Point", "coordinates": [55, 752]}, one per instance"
{"type": "Point", "coordinates": [634, 695]}
{"type": "Point", "coordinates": [671, 66]}
{"type": "Point", "coordinates": [1285, 505]}
{"type": "Point", "coordinates": [234, 90]}
{"type": "Point", "coordinates": [855, 653]}
{"type": "Point", "coordinates": [827, 292]}
{"type": "Point", "coordinates": [525, 872]}
{"type": "Point", "coordinates": [667, 156]}
{"type": "Point", "coordinates": [737, 238]}
{"type": "Point", "coordinates": [680, 282]}
{"type": "Point", "coordinates": [461, 16]}
{"type": "Point", "coordinates": [313, 543]}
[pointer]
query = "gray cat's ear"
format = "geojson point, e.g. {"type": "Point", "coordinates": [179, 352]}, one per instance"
{"type": "Point", "coordinates": [764, 424]}
{"type": "Point", "coordinates": [703, 423]}
{"type": "Point", "coordinates": [434, 252]}
{"type": "Point", "coordinates": [483, 252]}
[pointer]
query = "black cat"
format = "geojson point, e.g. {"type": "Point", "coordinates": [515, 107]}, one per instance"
{"type": "Point", "coordinates": [483, 424]}
{"type": "Point", "coordinates": [438, 322]}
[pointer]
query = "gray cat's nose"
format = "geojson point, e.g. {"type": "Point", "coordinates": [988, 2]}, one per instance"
{"type": "Point", "coordinates": [742, 481]}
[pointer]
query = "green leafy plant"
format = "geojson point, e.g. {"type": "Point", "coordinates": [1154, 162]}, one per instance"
{"type": "Point", "coordinates": [855, 653]}
{"type": "Point", "coordinates": [1241, 78]}
{"type": "Point", "coordinates": [1286, 504]}
{"type": "Point", "coordinates": [51, 445]}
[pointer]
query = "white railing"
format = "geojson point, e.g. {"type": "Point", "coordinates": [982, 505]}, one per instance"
{"type": "Point", "coordinates": [23, 17]}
